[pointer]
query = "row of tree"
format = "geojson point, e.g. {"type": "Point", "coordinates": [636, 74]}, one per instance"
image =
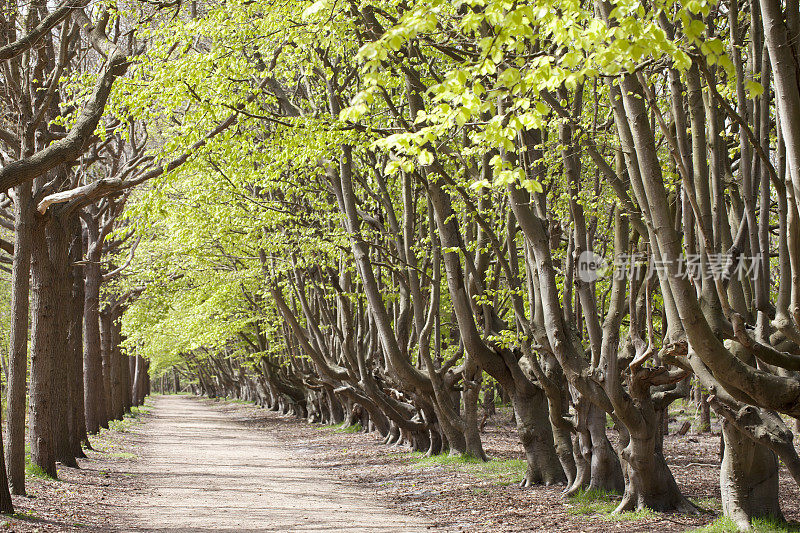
{"type": "Point", "coordinates": [419, 194]}
{"type": "Point", "coordinates": [360, 210]}
{"type": "Point", "coordinates": [69, 162]}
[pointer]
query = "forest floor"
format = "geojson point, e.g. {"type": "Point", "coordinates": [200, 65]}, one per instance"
{"type": "Point", "coordinates": [457, 495]}
{"type": "Point", "coordinates": [188, 464]}
{"type": "Point", "coordinates": [194, 466]}
{"type": "Point", "coordinates": [88, 498]}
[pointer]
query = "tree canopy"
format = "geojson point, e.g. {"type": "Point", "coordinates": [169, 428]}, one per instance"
{"type": "Point", "coordinates": [374, 211]}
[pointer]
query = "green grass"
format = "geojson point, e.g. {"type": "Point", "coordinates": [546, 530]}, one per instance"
{"type": "Point", "coordinates": [104, 441]}
{"type": "Point", "coordinates": [25, 515]}
{"type": "Point", "coordinates": [334, 427]}
{"type": "Point", "coordinates": [502, 471]}
{"type": "Point", "coordinates": [602, 504]}
{"type": "Point", "coordinates": [631, 516]}
{"type": "Point", "coordinates": [760, 525]}
{"type": "Point", "coordinates": [138, 411]}
{"type": "Point", "coordinates": [712, 505]}
{"type": "Point", "coordinates": [34, 470]}
{"type": "Point", "coordinates": [123, 455]}
{"type": "Point", "coordinates": [341, 427]}
{"type": "Point", "coordinates": [355, 428]}
{"type": "Point", "coordinates": [588, 502]}
{"type": "Point", "coordinates": [129, 420]}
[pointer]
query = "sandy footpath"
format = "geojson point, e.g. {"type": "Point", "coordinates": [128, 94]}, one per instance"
{"type": "Point", "coordinates": [202, 471]}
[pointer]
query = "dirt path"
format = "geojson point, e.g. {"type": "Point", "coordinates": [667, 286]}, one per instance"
{"type": "Point", "coordinates": [203, 471]}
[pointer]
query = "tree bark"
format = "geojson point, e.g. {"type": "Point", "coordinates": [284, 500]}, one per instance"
{"type": "Point", "coordinates": [6, 504]}
{"type": "Point", "coordinates": [42, 341]}
{"type": "Point", "coordinates": [58, 238]}
{"type": "Point", "coordinates": [94, 386]}
{"type": "Point", "coordinates": [78, 435]}
{"type": "Point", "coordinates": [18, 350]}
{"type": "Point", "coordinates": [536, 435]}
{"type": "Point", "coordinates": [106, 356]}
{"type": "Point", "coordinates": [748, 479]}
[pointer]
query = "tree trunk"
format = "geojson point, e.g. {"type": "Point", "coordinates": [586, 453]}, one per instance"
{"type": "Point", "coordinates": [581, 447]}
{"type": "Point", "coordinates": [58, 233]}
{"type": "Point", "coordinates": [106, 354]}
{"type": "Point", "coordinates": [6, 504]}
{"type": "Point", "coordinates": [131, 391]}
{"type": "Point", "coordinates": [125, 368]}
{"type": "Point", "coordinates": [118, 392]}
{"type": "Point", "coordinates": [42, 341]}
{"type": "Point", "coordinates": [536, 434]}
{"type": "Point", "coordinates": [140, 381]}
{"type": "Point", "coordinates": [606, 471]}
{"type": "Point", "coordinates": [18, 349]}
{"type": "Point", "coordinates": [748, 479]}
{"type": "Point", "coordinates": [78, 434]}
{"type": "Point", "coordinates": [700, 399]}
{"type": "Point", "coordinates": [94, 387]}
{"type": "Point", "coordinates": [648, 481]}
{"type": "Point", "coordinates": [146, 391]}
{"type": "Point", "coordinates": [469, 397]}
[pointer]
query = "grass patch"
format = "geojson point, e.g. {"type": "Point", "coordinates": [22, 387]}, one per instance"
{"type": "Point", "coordinates": [707, 504]}
{"type": "Point", "coordinates": [129, 420]}
{"type": "Point", "coordinates": [631, 516]}
{"type": "Point", "coordinates": [586, 502]}
{"type": "Point", "coordinates": [104, 441]}
{"type": "Point", "coordinates": [355, 428]}
{"type": "Point", "coordinates": [501, 471]}
{"type": "Point", "coordinates": [334, 427]}
{"type": "Point", "coordinates": [138, 410]}
{"type": "Point", "coordinates": [121, 426]}
{"type": "Point", "coordinates": [601, 503]}
{"type": "Point", "coordinates": [34, 470]}
{"type": "Point", "coordinates": [760, 525]}
{"type": "Point", "coordinates": [123, 455]}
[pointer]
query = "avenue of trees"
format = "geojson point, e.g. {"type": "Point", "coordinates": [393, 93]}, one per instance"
{"type": "Point", "coordinates": [370, 211]}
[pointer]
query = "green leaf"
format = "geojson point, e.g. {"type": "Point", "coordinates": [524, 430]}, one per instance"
{"type": "Point", "coordinates": [754, 89]}
{"type": "Point", "coordinates": [425, 158]}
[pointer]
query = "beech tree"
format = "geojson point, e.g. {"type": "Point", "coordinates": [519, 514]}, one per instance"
{"type": "Point", "coordinates": [363, 212]}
